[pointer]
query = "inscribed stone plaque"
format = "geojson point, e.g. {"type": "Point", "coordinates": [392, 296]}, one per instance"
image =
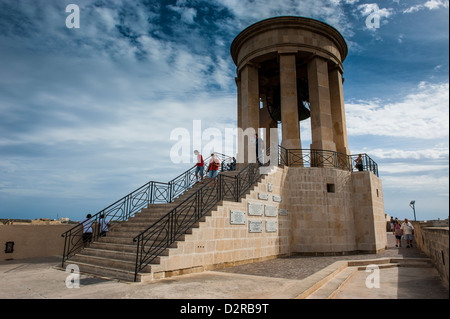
{"type": "Point", "coordinates": [282, 212]}
{"type": "Point", "coordinates": [269, 187]}
{"type": "Point", "coordinates": [276, 198]}
{"type": "Point", "coordinates": [271, 226]}
{"type": "Point", "coordinates": [255, 209]}
{"type": "Point", "coordinates": [237, 217]}
{"type": "Point", "coordinates": [263, 196]}
{"type": "Point", "coordinates": [270, 210]}
{"type": "Point", "coordinates": [254, 226]}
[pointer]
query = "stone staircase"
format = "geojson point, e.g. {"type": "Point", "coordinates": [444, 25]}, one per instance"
{"type": "Point", "coordinates": [114, 255]}
{"type": "Point", "coordinates": [336, 281]}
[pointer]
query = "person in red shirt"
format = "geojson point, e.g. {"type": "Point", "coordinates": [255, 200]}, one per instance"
{"type": "Point", "coordinates": [199, 167]}
{"type": "Point", "coordinates": [213, 167]}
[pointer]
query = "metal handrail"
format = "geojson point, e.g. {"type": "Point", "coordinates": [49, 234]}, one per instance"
{"type": "Point", "coordinates": [150, 193]}
{"type": "Point", "coordinates": [151, 242]}
{"type": "Point", "coordinates": [324, 158]}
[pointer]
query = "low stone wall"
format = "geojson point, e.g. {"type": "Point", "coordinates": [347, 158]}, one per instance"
{"type": "Point", "coordinates": [433, 241]}
{"type": "Point", "coordinates": [32, 240]}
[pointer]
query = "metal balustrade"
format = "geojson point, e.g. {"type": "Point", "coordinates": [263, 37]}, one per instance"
{"type": "Point", "coordinates": [151, 193]}
{"type": "Point", "coordinates": [159, 236]}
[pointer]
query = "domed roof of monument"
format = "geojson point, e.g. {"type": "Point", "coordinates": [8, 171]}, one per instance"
{"type": "Point", "coordinates": [295, 22]}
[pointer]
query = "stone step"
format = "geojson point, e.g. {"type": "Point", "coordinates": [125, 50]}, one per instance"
{"type": "Point", "coordinates": [128, 240]}
{"type": "Point", "coordinates": [108, 262]}
{"type": "Point", "coordinates": [114, 255]}
{"type": "Point", "coordinates": [119, 255]}
{"type": "Point", "coordinates": [109, 273]}
{"type": "Point", "coordinates": [330, 288]}
{"type": "Point", "coordinates": [120, 247]}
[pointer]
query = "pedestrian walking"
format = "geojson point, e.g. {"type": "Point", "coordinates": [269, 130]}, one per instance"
{"type": "Point", "coordinates": [408, 232]}
{"type": "Point", "coordinates": [104, 225]}
{"type": "Point", "coordinates": [398, 234]}
{"type": "Point", "coordinates": [87, 229]}
{"type": "Point", "coordinates": [213, 167]}
{"type": "Point", "coordinates": [199, 167]}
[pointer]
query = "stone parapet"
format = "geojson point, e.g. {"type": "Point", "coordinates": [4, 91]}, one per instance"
{"type": "Point", "coordinates": [434, 242]}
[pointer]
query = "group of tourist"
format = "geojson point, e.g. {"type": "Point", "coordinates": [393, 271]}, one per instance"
{"type": "Point", "coordinates": [405, 230]}
{"type": "Point", "coordinates": [212, 169]}
{"type": "Point", "coordinates": [102, 226]}
{"type": "Point", "coordinates": [89, 226]}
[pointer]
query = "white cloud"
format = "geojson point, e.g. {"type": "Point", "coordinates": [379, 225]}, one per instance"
{"type": "Point", "coordinates": [249, 11]}
{"type": "Point", "coordinates": [430, 5]}
{"type": "Point", "coordinates": [422, 114]}
{"type": "Point", "coordinates": [402, 168]}
{"type": "Point", "coordinates": [415, 183]}
{"type": "Point", "coordinates": [187, 14]}
{"type": "Point", "coordinates": [372, 8]}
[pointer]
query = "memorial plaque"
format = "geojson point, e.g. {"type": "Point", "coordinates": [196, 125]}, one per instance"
{"type": "Point", "coordinates": [263, 196]}
{"type": "Point", "coordinates": [276, 198]}
{"type": "Point", "coordinates": [255, 209]}
{"type": "Point", "coordinates": [237, 217]}
{"type": "Point", "coordinates": [270, 211]}
{"type": "Point", "coordinates": [282, 212]}
{"type": "Point", "coordinates": [269, 187]}
{"type": "Point", "coordinates": [271, 226]}
{"type": "Point", "coordinates": [254, 226]}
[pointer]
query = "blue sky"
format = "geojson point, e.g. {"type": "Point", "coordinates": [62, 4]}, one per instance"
{"type": "Point", "coordinates": [86, 113]}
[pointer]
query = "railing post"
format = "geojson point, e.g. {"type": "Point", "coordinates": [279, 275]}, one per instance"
{"type": "Point", "coordinates": [236, 187]}
{"type": "Point", "coordinates": [136, 267]}
{"type": "Point", "coordinates": [64, 252]}
{"type": "Point", "coordinates": [287, 157]}
{"type": "Point", "coordinates": [150, 193]}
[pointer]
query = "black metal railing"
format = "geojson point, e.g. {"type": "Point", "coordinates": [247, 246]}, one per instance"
{"type": "Point", "coordinates": [151, 193]}
{"type": "Point", "coordinates": [323, 158]}
{"type": "Point", "coordinates": [168, 229]}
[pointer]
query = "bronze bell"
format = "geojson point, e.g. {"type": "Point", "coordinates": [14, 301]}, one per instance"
{"type": "Point", "coordinates": [273, 101]}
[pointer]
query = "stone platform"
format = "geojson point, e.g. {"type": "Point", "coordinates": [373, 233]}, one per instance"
{"type": "Point", "coordinates": [405, 274]}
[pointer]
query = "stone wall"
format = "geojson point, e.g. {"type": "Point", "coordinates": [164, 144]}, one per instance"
{"type": "Point", "coordinates": [322, 210]}
{"type": "Point", "coordinates": [294, 210]}
{"type": "Point", "coordinates": [434, 242]}
{"type": "Point", "coordinates": [368, 210]}
{"type": "Point", "coordinates": [32, 240]}
{"type": "Point", "coordinates": [335, 211]}
{"type": "Point", "coordinates": [220, 242]}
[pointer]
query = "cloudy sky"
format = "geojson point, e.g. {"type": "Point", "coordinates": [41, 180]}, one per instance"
{"type": "Point", "coordinates": [86, 114]}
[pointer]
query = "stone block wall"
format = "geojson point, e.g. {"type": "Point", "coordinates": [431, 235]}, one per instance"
{"type": "Point", "coordinates": [322, 210]}
{"type": "Point", "coordinates": [218, 243]}
{"type": "Point", "coordinates": [434, 242]}
{"type": "Point", "coordinates": [32, 240]}
{"type": "Point", "coordinates": [297, 210]}
{"type": "Point", "coordinates": [368, 205]}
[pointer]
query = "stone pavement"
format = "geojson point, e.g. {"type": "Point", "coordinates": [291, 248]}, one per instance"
{"type": "Point", "coordinates": [284, 278]}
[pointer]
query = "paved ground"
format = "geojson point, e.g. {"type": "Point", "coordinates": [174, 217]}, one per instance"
{"type": "Point", "coordinates": [279, 278]}
{"type": "Point", "coordinates": [301, 267]}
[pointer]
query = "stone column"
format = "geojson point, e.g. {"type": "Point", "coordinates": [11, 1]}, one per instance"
{"type": "Point", "coordinates": [290, 127]}
{"type": "Point", "coordinates": [319, 96]}
{"type": "Point", "coordinates": [266, 122]}
{"type": "Point", "coordinates": [338, 110]}
{"type": "Point", "coordinates": [240, 146]}
{"type": "Point", "coordinates": [249, 103]}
